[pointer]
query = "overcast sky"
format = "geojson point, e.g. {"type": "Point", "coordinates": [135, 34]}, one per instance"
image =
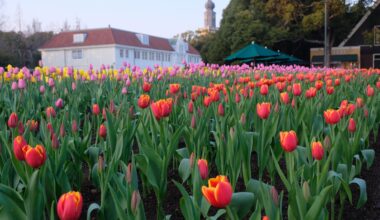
{"type": "Point", "coordinates": [157, 17]}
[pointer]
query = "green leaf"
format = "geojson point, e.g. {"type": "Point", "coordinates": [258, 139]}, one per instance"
{"type": "Point", "coordinates": [369, 156]}
{"type": "Point", "coordinates": [91, 208]}
{"type": "Point", "coordinates": [119, 210]}
{"type": "Point", "coordinates": [11, 204]}
{"type": "Point", "coordinates": [320, 201]}
{"type": "Point", "coordinates": [184, 169]}
{"type": "Point", "coordinates": [242, 202]}
{"type": "Point", "coordinates": [218, 214]}
{"type": "Point", "coordinates": [363, 191]}
{"type": "Point", "coordinates": [34, 201]}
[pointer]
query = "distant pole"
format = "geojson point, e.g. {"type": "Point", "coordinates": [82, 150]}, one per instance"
{"type": "Point", "coordinates": [326, 53]}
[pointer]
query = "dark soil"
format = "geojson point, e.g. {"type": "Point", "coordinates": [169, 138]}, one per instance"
{"type": "Point", "coordinates": [371, 210]}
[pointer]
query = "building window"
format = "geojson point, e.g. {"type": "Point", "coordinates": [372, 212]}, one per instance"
{"type": "Point", "coordinates": [79, 38]}
{"type": "Point", "coordinates": [137, 54]}
{"type": "Point", "coordinates": [376, 61]}
{"type": "Point", "coordinates": [77, 54]}
{"type": "Point", "coordinates": [126, 53]}
{"type": "Point", "coordinates": [145, 55]}
{"type": "Point", "coordinates": [151, 55]}
{"type": "Point", "coordinates": [121, 53]}
{"type": "Point", "coordinates": [377, 34]}
{"type": "Point", "coordinates": [158, 56]}
{"type": "Point", "coordinates": [169, 58]}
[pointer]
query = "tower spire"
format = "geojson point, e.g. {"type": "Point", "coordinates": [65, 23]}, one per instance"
{"type": "Point", "coordinates": [210, 15]}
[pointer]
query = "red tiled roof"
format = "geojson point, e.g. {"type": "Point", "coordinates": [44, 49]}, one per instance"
{"type": "Point", "coordinates": [106, 36]}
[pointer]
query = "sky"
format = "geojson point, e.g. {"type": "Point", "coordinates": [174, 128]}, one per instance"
{"type": "Point", "coordinates": [164, 18]}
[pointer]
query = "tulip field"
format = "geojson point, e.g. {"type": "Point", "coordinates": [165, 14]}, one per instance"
{"type": "Point", "coordinates": [233, 142]}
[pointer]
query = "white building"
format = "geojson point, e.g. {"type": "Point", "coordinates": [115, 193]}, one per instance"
{"type": "Point", "coordinates": [110, 46]}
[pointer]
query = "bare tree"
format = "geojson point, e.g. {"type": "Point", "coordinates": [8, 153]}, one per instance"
{"type": "Point", "coordinates": [66, 26]}
{"type": "Point", "coordinates": [19, 17]}
{"type": "Point", "coordinates": [77, 23]}
{"type": "Point", "coordinates": [2, 19]}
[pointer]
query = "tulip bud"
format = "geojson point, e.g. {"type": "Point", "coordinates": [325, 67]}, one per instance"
{"type": "Point", "coordinates": [102, 131]}
{"type": "Point", "coordinates": [265, 217]}
{"type": "Point", "coordinates": [13, 120]}
{"type": "Point", "coordinates": [243, 119]}
{"type": "Point", "coordinates": [193, 122]}
{"type": "Point", "coordinates": [74, 126]}
{"type": "Point", "coordinates": [50, 128]}
{"type": "Point", "coordinates": [306, 191]}
{"type": "Point", "coordinates": [135, 201]}
{"type": "Point", "coordinates": [112, 107]}
{"type": "Point", "coordinates": [73, 86]}
{"type": "Point", "coordinates": [203, 168]}
{"type": "Point", "coordinates": [62, 130]}
{"type": "Point", "coordinates": [128, 175]}
{"type": "Point", "coordinates": [232, 132]}
{"type": "Point", "coordinates": [59, 103]}
{"type": "Point", "coordinates": [191, 159]}
{"type": "Point", "coordinates": [42, 89]}
{"type": "Point", "coordinates": [95, 109]}
{"type": "Point", "coordinates": [54, 141]}
{"type": "Point", "coordinates": [104, 114]}
{"type": "Point", "coordinates": [100, 163]}
{"type": "Point", "coordinates": [351, 125]}
{"type": "Point", "coordinates": [293, 102]}
{"type": "Point", "coordinates": [220, 109]}
{"type": "Point", "coordinates": [190, 107]}
{"type": "Point", "coordinates": [274, 195]}
{"type": "Point", "coordinates": [237, 98]}
{"type": "Point", "coordinates": [327, 142]}
{"type": "Point", "coordinates": [50, 112]}
{"type": "Point", "coordinates": [21, 128]}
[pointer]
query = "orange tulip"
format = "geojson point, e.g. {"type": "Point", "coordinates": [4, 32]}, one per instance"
{"type": "Point", "coordinates": [332, 116]}
{"type": "Point", "coordinates": [203, 168]}
{"type": "Point", "coordinates": [288, 140]}
{"type": "Point", "coordinates": [219, 192]}
{"type": "Point", "coordinates": [34, 157]}
{"type": "Point", "coordinates": [69, 206]}
{"type": "Point", "coordinates": [162, 108]}
{"type": "Point", "coordinates": [317, 150]}
{"type": "Point", "coordinates": [174, 88]}
{"type": "Point", "coordinates": [143, 101]}
{"type": "Point", "coordinates": [33, 125]}
{"type": "Point", "coordinates": [263, 110]}
{"type": "Point", "coordinates": [18, 143]}
{"type": "Point", "coordinates": [359, 102]}
{"type": "Point", "coordinates": [265, 217]}
{"type": "Point", "coordinates": [50, 112]}
{"type": "Point", "coordinates": [284, 97]}
{"type": "Point", "coordinates": [311, 92]}
{"type": "Point", "coordinates": [13, 120]}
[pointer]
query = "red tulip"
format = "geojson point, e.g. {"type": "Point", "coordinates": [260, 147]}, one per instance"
{"type": "Point", "coordinates": [296, 88]}
{"type": "Point", "coordinates": [288, 140]}
{"type": "Point", "coordinates": [332, 116]}
{"type": "Point", "coordinates": [263, 110]}
{"type": "Point", "coordinates": [162, 108]}
{"type": "Point", "coordinates": [265, 217]}
{"type": "Point", "coordinates": [203, 168]}
{"type": "Point", "coordinates": [318, 85]}
{"type": "Point", "coordinates": [146, 87]}
{"type": "Point", "coordinates": [311, 92]}
{"type": "Point", "coordinates": [174, 88]}
{"type": "Point", "coordinates": [143, 101]}
{"type": "Point", "coordinates": [370, 91]}
{"type": "Point", "coordinates": [351, 125]}
{"type": "Point", "coordinates": [69, 206]}
{"type": "Point", "coordinates": [18, 143]}
{"type": "Point", "coordinates": [219, 192]}
{"type": "Point", "coordinates": [264, 89]}
{"type": "Point", "coordinates": [284, 97]}
{"type": "Point", "coordinates": [378, 84]}
{"type": "Point", "coordinates": [74, 126]}
{"type": "Point", "coordinates": [95, 109]}
{"type": "Point", "coordinates": [102, 131]}
{"type": "Point", "coordinates": [337, 82]}
{"type": "Point", "coordinates": [135, 200]}
{"type": "Point", "coordinates": [13, 120]}
{"type": "Point", "coordinates": [54, 141]}
{"type": "Point", "coordinates": [220, 109]}
{"type": "Point", "coordinates": [330, 90]}
{"type": "Point", "coordinates": [35, 157]}
{"type": "Point", "coordinates": [20, 127]}
{"type": "Point", "coordinates": [317, 150]}
{"type": "Point", "coordinates": [237, 98]}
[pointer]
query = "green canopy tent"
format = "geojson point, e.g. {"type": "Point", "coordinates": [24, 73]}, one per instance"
{"type": "Point", "coordinates": [251, 52]}
{"type": "Point", "coordinates": [281, 58]}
